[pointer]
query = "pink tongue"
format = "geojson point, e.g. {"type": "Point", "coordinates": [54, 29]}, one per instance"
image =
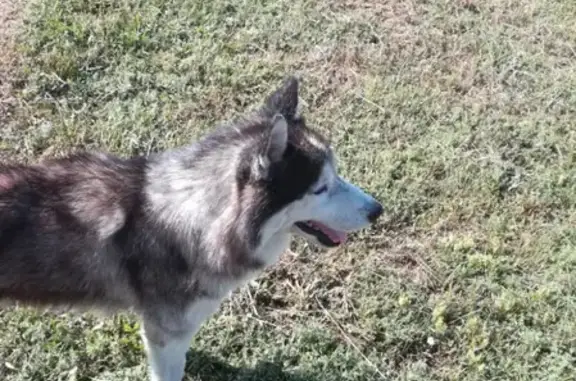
{"type": "Point", "coordinates": [335, 235]}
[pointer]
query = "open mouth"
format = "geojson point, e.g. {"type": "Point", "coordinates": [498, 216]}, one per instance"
{"type": "Point", "coordinates": [324, 234]}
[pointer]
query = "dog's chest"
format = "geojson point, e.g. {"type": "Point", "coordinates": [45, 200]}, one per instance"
{"type": "Point", "coordinates": [222, 287]}
{"type": "Point", "coordinates": [199, 311]}
{"type": "Point", "coordinates": [272, 249]}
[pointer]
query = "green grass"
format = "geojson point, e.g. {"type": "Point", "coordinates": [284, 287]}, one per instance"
{"type": "Point", "coordinates": [459, 115]}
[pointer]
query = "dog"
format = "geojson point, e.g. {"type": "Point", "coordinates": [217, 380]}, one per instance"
{"type": "Point", "coordinates": [169, 235]}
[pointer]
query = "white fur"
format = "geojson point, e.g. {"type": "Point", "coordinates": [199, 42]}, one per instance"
{"type": "Point", "coordinates": [167, 348]}
{"type": "Point", "coordinates": [167, 362]}
{"type": "Point", "coordinates": [278, 138]}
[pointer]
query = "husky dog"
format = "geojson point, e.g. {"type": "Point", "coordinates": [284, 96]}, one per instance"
{"type": "Point", "coordinates": [170, 235]}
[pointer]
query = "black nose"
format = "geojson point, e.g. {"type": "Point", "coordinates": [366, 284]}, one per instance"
{"type": "Point", "coordinates": [375, 212]}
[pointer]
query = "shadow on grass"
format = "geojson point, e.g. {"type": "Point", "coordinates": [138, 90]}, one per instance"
{"type": "Point", "coordinates": [203, 367]}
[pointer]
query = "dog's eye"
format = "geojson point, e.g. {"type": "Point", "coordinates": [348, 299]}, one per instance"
{"type": "Point", "coordinates": [321, 190]}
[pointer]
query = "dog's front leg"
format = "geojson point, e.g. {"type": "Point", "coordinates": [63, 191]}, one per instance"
{"type": "Point", "coordinates": [167, 337]}
{"type": "Point", "coordinates": [166, 352]}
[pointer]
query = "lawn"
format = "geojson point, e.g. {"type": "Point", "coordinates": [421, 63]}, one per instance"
{"type": "Point", "coordinates": [460, 115]}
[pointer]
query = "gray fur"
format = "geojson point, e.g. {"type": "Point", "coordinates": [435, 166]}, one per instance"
{"type": "Point", "coordinates": [170, 235]}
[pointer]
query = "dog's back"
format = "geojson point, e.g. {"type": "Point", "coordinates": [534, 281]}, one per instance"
{"type": "Point", "coordinates": [55, 219]}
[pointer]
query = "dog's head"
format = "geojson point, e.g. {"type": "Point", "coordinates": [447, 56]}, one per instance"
{"type": "Point", "coordinates": [294, 178]}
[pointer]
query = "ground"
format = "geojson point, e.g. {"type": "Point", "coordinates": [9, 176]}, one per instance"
{"type": "Point", "coordinates": [459, 115]}
{"type": "Point", "coordinates": [9, 24]}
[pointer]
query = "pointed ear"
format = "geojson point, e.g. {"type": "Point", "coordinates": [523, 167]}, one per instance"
{"type": "Point", "coordinates": [284, 100]}
{"type": "Point", "coordinates": [276, 144]}
{"type": "Point", "coordinates": [278, 140]}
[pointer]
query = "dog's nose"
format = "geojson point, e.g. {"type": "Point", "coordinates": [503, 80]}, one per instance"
{"type": "Point", "coordinates": [375, 212]}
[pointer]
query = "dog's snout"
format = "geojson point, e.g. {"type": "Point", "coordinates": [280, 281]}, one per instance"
{"type": "Point", "coordinates": [375, 212]}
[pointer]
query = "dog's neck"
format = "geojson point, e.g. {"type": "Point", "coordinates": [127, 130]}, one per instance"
{"type": "Point", "coordinates": [201, 200]}
{"type": "Point", "coordinates": [274, 240]}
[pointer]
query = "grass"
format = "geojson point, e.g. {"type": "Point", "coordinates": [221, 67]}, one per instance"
{"type": "Point", "coordinates": [459, 115]}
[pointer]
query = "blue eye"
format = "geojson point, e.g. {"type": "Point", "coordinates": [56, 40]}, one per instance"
{"type": "Point", "coordinates": [321, 190]}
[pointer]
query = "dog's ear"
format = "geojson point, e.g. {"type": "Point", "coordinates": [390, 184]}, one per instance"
{"type": "Point", "coordinates": [276, 144]}
{"type": "Point", "coordinates": [284, 100]}
{"type": "Point", "coordinates": [278, 140]}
